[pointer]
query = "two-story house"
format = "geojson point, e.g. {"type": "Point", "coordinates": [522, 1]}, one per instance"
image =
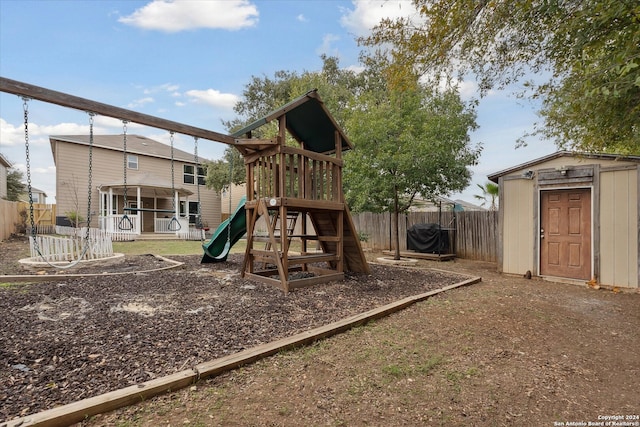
{"type": "Point", "coordinates": [37, 195]}
{"type": "Point", "coordinates": [135, 192]}
{"type": "Point", "coordinates": [4, 168]}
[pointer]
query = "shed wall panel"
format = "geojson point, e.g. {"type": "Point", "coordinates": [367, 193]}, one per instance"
{"type": "Point", "coordinates": [517, 202]}
{"type": "Point", "coordinates": [618, 228]}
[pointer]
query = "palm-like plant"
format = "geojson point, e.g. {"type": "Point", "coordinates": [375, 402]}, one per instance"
{"type": "Point", "coordinates": [489, 195]}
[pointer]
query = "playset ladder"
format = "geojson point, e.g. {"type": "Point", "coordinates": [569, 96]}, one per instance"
{"type": "Point", "coordinates": [275, 223]}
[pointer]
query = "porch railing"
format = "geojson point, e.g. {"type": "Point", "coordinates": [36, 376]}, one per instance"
{"type": "Point", "coordinates": [165, 226]}
{"type": "Point", "coordinates": [113, 224]}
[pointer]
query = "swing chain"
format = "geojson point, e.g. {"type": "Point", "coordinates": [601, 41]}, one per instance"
{"type": "Point", "coordinates": [230, 185]}
{"type": "Point", "coordinates": [173, 191]}
{"type": "Point", "coordinates": [124, 151]}
{"type": "Point", "coordinates": [199, 224]}
{"type": "Point", "coordinates": [90, 177]}
{"type": "Point", "coordinates": [25, 108]}
{"type": "Point", "coordinates": [33, 232]}
{"type": "Point", "coordinates": [125, 223]}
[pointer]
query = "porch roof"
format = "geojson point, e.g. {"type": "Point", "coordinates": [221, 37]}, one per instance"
{"type": "Point", "coordinates": [149, 183]}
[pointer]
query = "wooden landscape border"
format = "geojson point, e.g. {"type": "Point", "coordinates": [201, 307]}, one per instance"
{"type": "Point", "coordinates": [17, 278]}
{"type": "Point", "coordinates": [77, 411]}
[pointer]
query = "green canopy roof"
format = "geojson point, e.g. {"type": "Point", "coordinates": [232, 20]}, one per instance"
{"type": "Point", "coordinates": [307, 120]}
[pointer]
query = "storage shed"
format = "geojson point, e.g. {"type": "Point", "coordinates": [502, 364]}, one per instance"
{"type": "Point", "coordinates": [571, 217]}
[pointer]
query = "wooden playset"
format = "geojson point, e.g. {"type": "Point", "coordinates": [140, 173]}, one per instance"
{"type": "Point", "coordinates": [286, 185]}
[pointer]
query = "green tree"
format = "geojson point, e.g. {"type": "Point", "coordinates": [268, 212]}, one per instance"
{"type": "Point", "coordinates": [229, 169]}
{"type": "Point", "coordinates": [262, 95]}
{"type": "Point", "coordinates": [408, 142]}
{"type": "Point", "coordinates": [15, 186]}
{"type": "Point", "coordinates": [584, 54]}
{"type": "Point", "coordinates": [489, 195]}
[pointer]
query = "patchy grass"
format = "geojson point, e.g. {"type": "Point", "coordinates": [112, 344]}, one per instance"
{"type": "Point", "coordinates": [167, 247]}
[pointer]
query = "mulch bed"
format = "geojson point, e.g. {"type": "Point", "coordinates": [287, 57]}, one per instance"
{"type": "Point", "coordinates": [69, 339]}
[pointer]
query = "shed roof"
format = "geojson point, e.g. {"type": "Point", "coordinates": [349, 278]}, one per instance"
{"type": "Point", "coordinates": [136, 144]}
{"type": "Point", "coordinates": [494, 177]}
{"type": "Point", "coordinates": [309, 121]}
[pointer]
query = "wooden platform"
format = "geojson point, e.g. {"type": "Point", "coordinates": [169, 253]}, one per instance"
{"type": "Point", "coordinates": [419, 255]}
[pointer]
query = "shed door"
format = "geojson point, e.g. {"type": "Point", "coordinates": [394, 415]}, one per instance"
{"type": "Point", "coordinates": [565, 235]}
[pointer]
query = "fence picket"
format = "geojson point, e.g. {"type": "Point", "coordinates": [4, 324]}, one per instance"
{"type": "Point", "coordinates": [473, 233]}
{"type": "Point", "coordinates": [70, 248]}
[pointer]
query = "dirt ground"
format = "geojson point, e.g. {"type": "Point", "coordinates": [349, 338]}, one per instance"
{"type": "Point", "coordinates": [504, 352]}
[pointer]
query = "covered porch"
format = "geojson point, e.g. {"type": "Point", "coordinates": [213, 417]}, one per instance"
{"type": "Point", "coordinates": [149, 206]}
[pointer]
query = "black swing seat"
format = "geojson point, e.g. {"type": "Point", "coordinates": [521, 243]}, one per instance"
{"type": "Point", "coordinates": [171, 211]}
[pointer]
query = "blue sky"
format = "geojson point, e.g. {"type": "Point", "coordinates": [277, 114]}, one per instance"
{"type": "Point", "coordinates": [189, 61]}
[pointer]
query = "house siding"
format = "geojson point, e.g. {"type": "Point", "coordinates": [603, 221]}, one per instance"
{"type": "Point", "coordinates": [237, 193]}
{"type": "Point", "coordinates": [72, 165]}
{"type": "Point", "coordinates": [3, 181]}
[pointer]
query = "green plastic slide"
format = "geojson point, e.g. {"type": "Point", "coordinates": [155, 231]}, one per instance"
{"type": "Point", "coordinates": [226, 235]}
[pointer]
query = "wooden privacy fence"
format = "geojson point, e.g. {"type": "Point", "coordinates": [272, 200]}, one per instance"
{"type": "Point", "coordinates": [473, 234]}
{"type": "Point", "coordinates": [14, 217]}
{"type": "Point", "coordinates": [43, 214]}
{"type": "Point", "coordinates": [9, 218]}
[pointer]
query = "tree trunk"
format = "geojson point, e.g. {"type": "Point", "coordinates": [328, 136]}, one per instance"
{"type": "Point", "coordinates": [395, 225]}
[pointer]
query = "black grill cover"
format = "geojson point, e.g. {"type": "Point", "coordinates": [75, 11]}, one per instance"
{"type": "Point", "coordinates": [428, 238]}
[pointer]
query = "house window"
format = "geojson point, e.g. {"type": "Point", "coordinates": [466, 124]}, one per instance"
{"type": "Point", "coordinates": [189, 174]}
{"type": "Point", "coordinates": [193, 213]}
{"type": "Point", "coordinates": [202, 175]}
{"type": "Point", "coordinates": [132, 161]}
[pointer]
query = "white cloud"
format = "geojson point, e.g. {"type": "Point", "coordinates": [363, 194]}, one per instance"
{"type": "Point", "coordinates": [356, 68]}
{"type": "Point", "coordinates": [301, 18]}
{"type": "Point", "coordinates": [214, 97]}
{"type": "Point", "coordinates": [467, 88]}
{"type": "Point", "coordinates": [167, 87]}
{"type": "Point", "coordinates": [368, 13]}
{"type": "Point", "coordinates": [326, 46]}
{"type": "Point", "coordinates": [38, 135]}
{"type": "Point", "coordinates": [179, 15]}
{"type": "Point", "coordinates": [140, 102]}
{"type": "Point", "coordinates": [10, 134]}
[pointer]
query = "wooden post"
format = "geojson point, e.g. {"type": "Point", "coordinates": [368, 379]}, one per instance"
{"type": "Point", "coordinates": [59, 98]}
{"type": "Point", "coordinates": [284, 245]}
{"type": "Point", "coordinates": [337, 179]}
{"type": "Point", "coordinates": [282, 172]}
{"type": "Point", "coordinates": [340, 243]}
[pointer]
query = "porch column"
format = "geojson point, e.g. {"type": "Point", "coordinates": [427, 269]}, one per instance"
{"type": "Point", "coordinates": [186, 205]}
{"type": "Point", "coordinates": [110, 210]}
{"type": "Point", "coordinates": [177, 211]}
{"type": "Point", "coordinates": [139, 213]}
